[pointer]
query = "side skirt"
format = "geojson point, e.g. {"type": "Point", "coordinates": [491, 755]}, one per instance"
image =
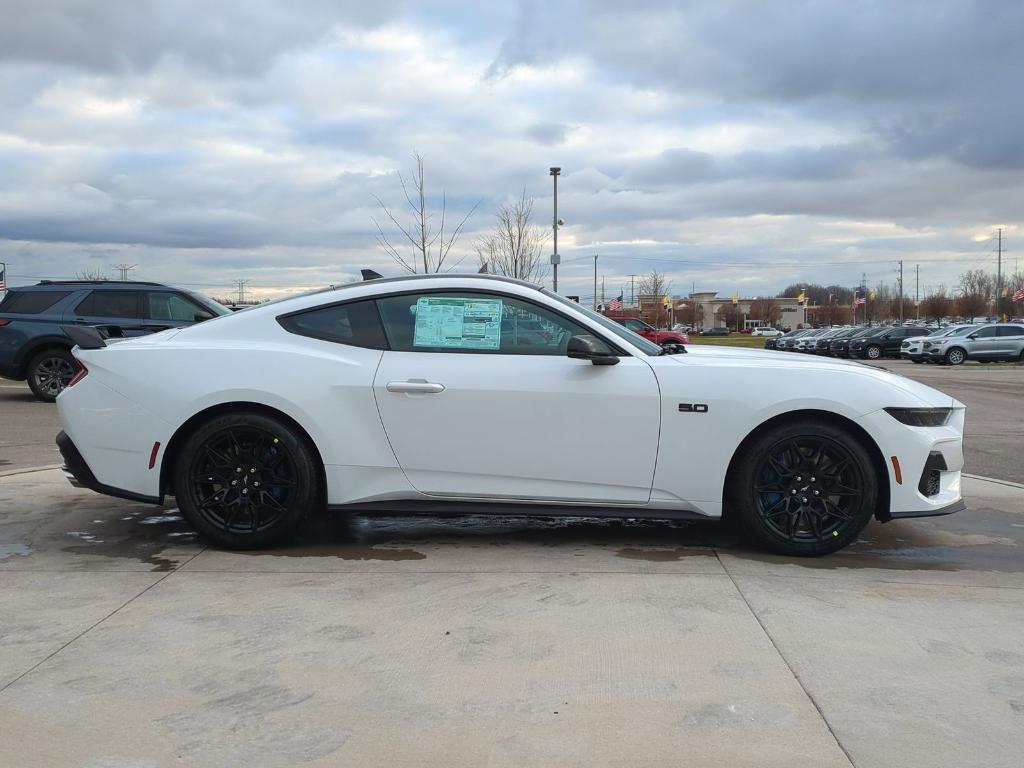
{"type": "Point", "coordinates": [505, 509]}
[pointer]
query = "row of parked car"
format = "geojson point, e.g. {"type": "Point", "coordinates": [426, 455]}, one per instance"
{"type": "Point", "coordinates": [948, 345]}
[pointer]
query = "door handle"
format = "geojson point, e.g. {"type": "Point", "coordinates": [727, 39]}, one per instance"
{"type": "Point", "coordinates": [415, 386]}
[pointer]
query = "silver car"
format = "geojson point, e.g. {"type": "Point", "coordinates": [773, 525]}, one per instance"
{"type": "Point", "coordinates": [999, 341]}
{"type": "Point", "coordinates": [913, 348]}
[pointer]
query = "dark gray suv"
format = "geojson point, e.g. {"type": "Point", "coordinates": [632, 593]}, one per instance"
{"type": "Point", "coordinates": [34, 347]}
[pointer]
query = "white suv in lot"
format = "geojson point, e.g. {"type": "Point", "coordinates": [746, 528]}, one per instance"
{"type": "Point", "coordinates": [769, 332]}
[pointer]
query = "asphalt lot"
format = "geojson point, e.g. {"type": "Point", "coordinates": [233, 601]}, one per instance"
{"type": "Point", "coordinates": [503, 641]}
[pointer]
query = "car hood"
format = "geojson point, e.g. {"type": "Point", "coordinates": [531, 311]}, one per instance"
{"type": "Point", "coordinates": [754, 358]}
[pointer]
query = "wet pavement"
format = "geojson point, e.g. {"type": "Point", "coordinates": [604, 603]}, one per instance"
{"type": "Point", "coordinates": [472, 640]}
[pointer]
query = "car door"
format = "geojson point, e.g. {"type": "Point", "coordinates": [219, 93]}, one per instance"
{"type": "Point", "coordinates": [1011, 341]}
{"type": "Point", "coordinates": [117, 311]}
{"type": "Point", "coordinates": [983, 344]}
{"type": "Point", "coordinates": [472, 412]}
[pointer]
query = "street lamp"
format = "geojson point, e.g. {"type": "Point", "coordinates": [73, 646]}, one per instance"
{"type": "Point", "coordinates": [554, 171]}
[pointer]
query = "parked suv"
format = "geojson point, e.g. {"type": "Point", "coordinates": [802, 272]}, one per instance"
{"type": "Point", "coordinates": [883, 344]}
{"type": "Point", "coordinates": [34, 348]}
{"type": "Point", "coordinates": [999, 341]}
{"type": "Point", "coordinates": [649, 332]}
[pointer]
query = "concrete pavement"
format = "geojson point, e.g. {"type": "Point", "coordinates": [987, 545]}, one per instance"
{"type": "Point", "coordinates": [504, 641]}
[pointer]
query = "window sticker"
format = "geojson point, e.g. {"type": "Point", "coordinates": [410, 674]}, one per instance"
{"type": "Point", "coordinates": [458, 323]}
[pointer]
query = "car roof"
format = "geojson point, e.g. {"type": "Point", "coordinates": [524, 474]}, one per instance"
{"type": "Point", "coordinates": [48, 285]}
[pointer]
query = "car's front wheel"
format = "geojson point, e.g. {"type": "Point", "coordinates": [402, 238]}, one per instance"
{"type": "Point", "coordinates": [873, 352]}
{"type": "Point", "coordinates": [955, 356]}
{"type": "Point", "coordinates": [246, 480]}
{"type": "Point", "coordinates": [805, 488]}
{"type": "Point", "coordinates": [49, 373]}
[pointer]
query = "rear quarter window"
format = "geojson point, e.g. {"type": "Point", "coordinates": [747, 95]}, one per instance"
{"type": "Point", "coordinates": [356, 324]}
{"type": "Point", "coordinates": [30, 302]}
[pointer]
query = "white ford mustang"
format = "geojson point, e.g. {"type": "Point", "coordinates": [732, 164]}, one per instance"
{"type": "Point", "coordinates": [479, 392]}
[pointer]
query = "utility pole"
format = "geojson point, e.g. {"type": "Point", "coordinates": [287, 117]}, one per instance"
{"type": "Point", "coordinates": [917, 292]}
{"type": "Point", "coordinates": [999, 277]}
{"type": "Point", "coordinates": [901, 291]}
{"type": "Point", "coordinates": [595, 282]}
{"type": "Point", "coordinates": [555, 171]}
{"type": "Point", "coordinates": [632, 289]}
{"type": "Point", "coordinates": [602, 292]}
{"type": "Point", "coordinates": [124, 269]}
{"type": "Point", "coordinates": [241, 290]}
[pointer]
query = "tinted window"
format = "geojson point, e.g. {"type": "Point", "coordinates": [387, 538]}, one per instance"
{"type": "Point", "coordinates": [473, 322]}
{"type": "Point", "coordinates": [109, 304]}
{"type": "Point", "coordinates": [986, 333]}
{"type": "Point", "coordinates": [30, 302]}
{"type": "Point", "coordinates": [168, 305]}
{"type": "Point", "coordinates": [1011, 330]}
{"type": "Point", "coordinates": [356, 324]}
{"type": "Point", "coordinates": [635, 325]}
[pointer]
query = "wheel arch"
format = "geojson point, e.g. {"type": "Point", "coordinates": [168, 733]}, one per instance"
{"type": "Point", "coordinates": [182, 433]}
{"type": "Point", "coordinates": [40, 344]}
{"type": "Point", "coordinates": [850, 426]}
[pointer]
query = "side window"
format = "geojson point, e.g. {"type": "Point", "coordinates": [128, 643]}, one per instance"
{"type": "Point", "coordinates": [635, 325]}
{"type": "Point", "coordinates": [1011, 330]}
{"type": "Point", "coordinates": [110, 304]}
{"type": "Point", "coordinates": [356, 324]}
{"type": "Point", "coordinates": [30, 302]}
{"type": "Point", "coordinates": [480, 323]}
{"type": "Point", "coordinates": [168, 305]}
{"type": "Point", "coordinates": [986, 333]}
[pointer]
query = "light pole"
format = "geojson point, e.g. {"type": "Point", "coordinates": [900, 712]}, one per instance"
{"type": "Point", "coordinates": [554, 171]}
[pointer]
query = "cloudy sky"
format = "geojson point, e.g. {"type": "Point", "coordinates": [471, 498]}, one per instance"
{"type": "Point", "coordinates": [738, 146]}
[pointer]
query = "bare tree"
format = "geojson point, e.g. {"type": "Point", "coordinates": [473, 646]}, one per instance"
{"type": "Point", "coordinates": [937, 305]}
{"type": "Point", "coordinates": [655, 284]}
{"type": "Point", "coordinates": [767, 311]}
{"type": "Point", "coordinates": [91, 274]}
{"type": "Point", "coordinates": [731, 315]}
{"type": "Point", "coordinates": [976, 290]}
{"type": "Point", "coordinates": [515, 247]}
{"type": "Point", "coordinates": [430, 248]}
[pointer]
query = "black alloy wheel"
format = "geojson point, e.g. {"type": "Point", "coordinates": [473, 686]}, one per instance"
{"type": "Point", "coordinates": [246, 480]}
{"type": "Point", "coordinates": [50, 372]}
{"type": "Point", "coordinates": [805, 489]}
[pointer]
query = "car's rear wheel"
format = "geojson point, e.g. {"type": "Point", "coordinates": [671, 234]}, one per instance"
{"type": "Point", "coordinates": [955, 356]}
{"type": "Point", "coordinates": [805, 488]}
{"type": "Point", "coordinates": [246, 480]}
{"type": "Point", "coordinates": [916, 360]}
{"type": "Point", "coordinates": [873, 352]}
{"type": "Point", "coordinates": [49, 373]}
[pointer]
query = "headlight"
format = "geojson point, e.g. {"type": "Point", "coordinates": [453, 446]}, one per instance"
{"type": "Point", "coordinates": [921, 417]}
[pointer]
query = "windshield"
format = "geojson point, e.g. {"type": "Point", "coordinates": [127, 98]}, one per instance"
{"type": "Point", "coordinates": [964, 330]}
{"type": "Point", "coordinates": [648, 347]}
{"type": "Point", "coordinates": [214, 306]}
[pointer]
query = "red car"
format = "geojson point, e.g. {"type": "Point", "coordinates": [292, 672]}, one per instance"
{"type": "Point", "coordinates": [649, 332]}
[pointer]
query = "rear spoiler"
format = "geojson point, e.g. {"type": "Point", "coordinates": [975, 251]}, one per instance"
{"type": "Point", "coordinates": [85, 336]}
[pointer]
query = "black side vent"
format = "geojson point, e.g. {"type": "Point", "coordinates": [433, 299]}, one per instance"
{"type": "Point", "coordinates": [931, 477]}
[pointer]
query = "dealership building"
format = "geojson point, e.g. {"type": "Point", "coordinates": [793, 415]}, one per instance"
{"type": "Point", "coordinates": [712, 307]}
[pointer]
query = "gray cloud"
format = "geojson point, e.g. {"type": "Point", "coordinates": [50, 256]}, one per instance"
{"type": "Point", "coordinates": [250, 139]}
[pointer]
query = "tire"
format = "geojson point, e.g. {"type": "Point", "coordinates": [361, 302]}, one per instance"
{"type": "Point", "coordinates": [49, 372]}
{"type": "Point", "coordinates": [873, 352]}
{"type": "Point", "coordinates": [806, 489]}
{"type": "Point", "coordinates": [915, 361]}
{"type": "Point", "coordinates": [955, 356]}
{"type": "Point", "coordinates": [246, 480]}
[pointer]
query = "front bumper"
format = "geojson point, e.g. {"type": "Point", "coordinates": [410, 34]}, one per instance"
{"type": "Point", "coordinates": [80, 475]}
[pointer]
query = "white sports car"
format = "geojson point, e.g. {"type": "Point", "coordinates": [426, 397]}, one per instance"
{"type": "Point", "coordinates": [485, 393]}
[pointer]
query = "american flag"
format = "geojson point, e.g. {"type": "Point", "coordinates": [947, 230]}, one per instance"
{"type": "Point", "coordinates": [859, 300]}
{"type": "Point", "coordinates": [1018, 295]}
{"type": "Point", "coordinates": [614, 305]}
{"type": "Point", "coordinates": [3, 284]}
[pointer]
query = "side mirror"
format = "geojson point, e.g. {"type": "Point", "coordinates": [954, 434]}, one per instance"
{"type": "Point", "coordinates": [202, 315]}
{"type": "Point", "coordinates": [587, 347]}
{"type": "Point", "coordinates": [973, 336]}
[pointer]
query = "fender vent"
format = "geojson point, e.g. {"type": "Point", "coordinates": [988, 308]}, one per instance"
{"type": "Point", "coordinates": [931, 477]}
